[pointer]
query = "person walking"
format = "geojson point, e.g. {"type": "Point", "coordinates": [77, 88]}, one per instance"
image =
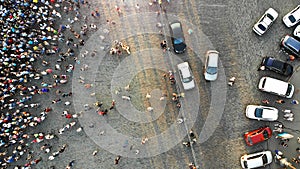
{"type": "Point", "coordinates": [290, 58]}
{"type": "Point", "coordinates": [280, 101]}
{"type": "Point", "coordinates": [163, 45]}
{"type": "Point", "coordinates": [266, 101]}
{"type": "Point", "coordinates": [294, 102]}
{"type": "Point", "coordinates": [117, 160]}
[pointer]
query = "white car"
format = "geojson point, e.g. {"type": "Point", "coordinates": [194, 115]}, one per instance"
{"type": "Point", "coordinates": [275, 86]}
{"type": "Point", "coordinates": [261, 113]}
{"type": "Point", "coordinates": [255, 160]}
{"type": "Point", "coordinates": [186, 76]}
{"type": "Point", "coordinates": [296, 32]}
{"type": "Point", "coordinates": [264, 23]}
{"type": "Point", "coordinates": [211, 65]}
{"type": "Point", "coordinates": [292, 18]}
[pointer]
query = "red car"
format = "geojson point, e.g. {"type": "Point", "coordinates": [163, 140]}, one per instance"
{"type": "Point", "coordinates": [258, 135]}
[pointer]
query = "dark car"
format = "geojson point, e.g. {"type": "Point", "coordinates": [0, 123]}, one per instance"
{"type": "Point", "coordinates": [258, 135]}
{"type": "Point", "coordinates": [291, 45]}
{"type": "Point", "coordinates": [277, 66]}
{"type": "Point", "coordinates": [177, 37]}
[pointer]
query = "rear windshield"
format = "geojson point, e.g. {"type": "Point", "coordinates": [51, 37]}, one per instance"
{"type": "Point", "coordinates": [262, 27]}
{"type": "Point", "coordinates": [270, 16]}
{"type": "Point", "coordinates": [265, 159]}
{"type": "Point", "coordinates": [264, 82]}
{"type": "Point", "coordinates": [289, 89]}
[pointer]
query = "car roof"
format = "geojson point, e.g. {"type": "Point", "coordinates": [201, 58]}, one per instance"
{"type": "Point", "coordinates": [268, 113]}
{"type": "Point", "coordinates": [279, 86]}
{"type": "Point", "coordinates": [270, 61]}
{"type": "Point", "coordinates": [184, 68]}
{"type": "Point", "coordinates": [213, 57]}
{"type": "Point", "coordinates": [292, 43]}
{"type": "Point", "coordinates": [258, 137]}
{"type": "Point", "coordinates": [256, 162]}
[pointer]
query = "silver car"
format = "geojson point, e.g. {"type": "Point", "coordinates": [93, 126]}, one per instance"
{"type": "Point", "coordinates": [211, 65]}
{"type": "Point", "coordinates": [186, 76]}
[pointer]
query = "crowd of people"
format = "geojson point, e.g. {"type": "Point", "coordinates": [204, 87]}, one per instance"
{"type": "Point", "coordinates": [29, 36]}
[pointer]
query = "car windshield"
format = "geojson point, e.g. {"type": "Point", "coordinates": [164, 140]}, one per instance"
{"type": "Point", "coordinates": [211, 70]}
{"type": "Point", "coordinates": [266, 134]}
{"type": "Point", "coordinates": [249, 140]}
{"type": "Point", "coordinates": [178, 41]}
{"type": "Point", "coordinates": [269, 62]}
{"type": "Point", "coordinates": [245, 164]}
{"type": "Point", "coordinates": [264, 159]}
{"type": "Point", "coordinates": [292, 18]}
{"type": "Point", "coordinates": [258, 112]}
{"type": "Point", "coordinates": [264, 82]}
{"type": "Point", "coordinates": [270, 16]}
{"type": "Point", "coordinates": [262, 27]}
{"type": "Point", "coordinates": [187, 79]}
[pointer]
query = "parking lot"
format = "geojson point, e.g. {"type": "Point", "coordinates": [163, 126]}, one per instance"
{"type": "Point", "coordinates": [226, 27]}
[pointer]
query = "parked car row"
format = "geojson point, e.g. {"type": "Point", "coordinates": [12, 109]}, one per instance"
{"type": "Point", "coordinates": [291, 45]}
{"type": "Point", "coordinates": [269, 17]}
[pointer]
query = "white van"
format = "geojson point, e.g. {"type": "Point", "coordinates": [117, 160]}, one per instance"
{"type": "Point", "coordinates": [277, 87]}
{"type": "Point", "coordinates": [186, 76]}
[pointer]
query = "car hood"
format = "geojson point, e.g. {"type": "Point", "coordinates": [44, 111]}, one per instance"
{"type": "Point", "coordinates": [179, 48]}
{"type": "Point", "coordinates": [250, 111]}
{"type": "Point", "coordinates": [210, 77]}
{"type": "Point", "coordinates": [189, 85]}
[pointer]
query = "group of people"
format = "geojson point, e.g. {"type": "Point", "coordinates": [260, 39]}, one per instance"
{"type": "Point", "coordinates": [29, 36]}
{"type": "Point", "coordinates": [284, 139]}
{"type": "Point", "coordinates": [118, 48]}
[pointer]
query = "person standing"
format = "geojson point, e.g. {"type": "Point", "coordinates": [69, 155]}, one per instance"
{"type": "Point", "coordinates": [266, 101]}
{"type": "Point", "coordinates": [160, 3]}
{"type": "Point", "coordinates": [117, 160]}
